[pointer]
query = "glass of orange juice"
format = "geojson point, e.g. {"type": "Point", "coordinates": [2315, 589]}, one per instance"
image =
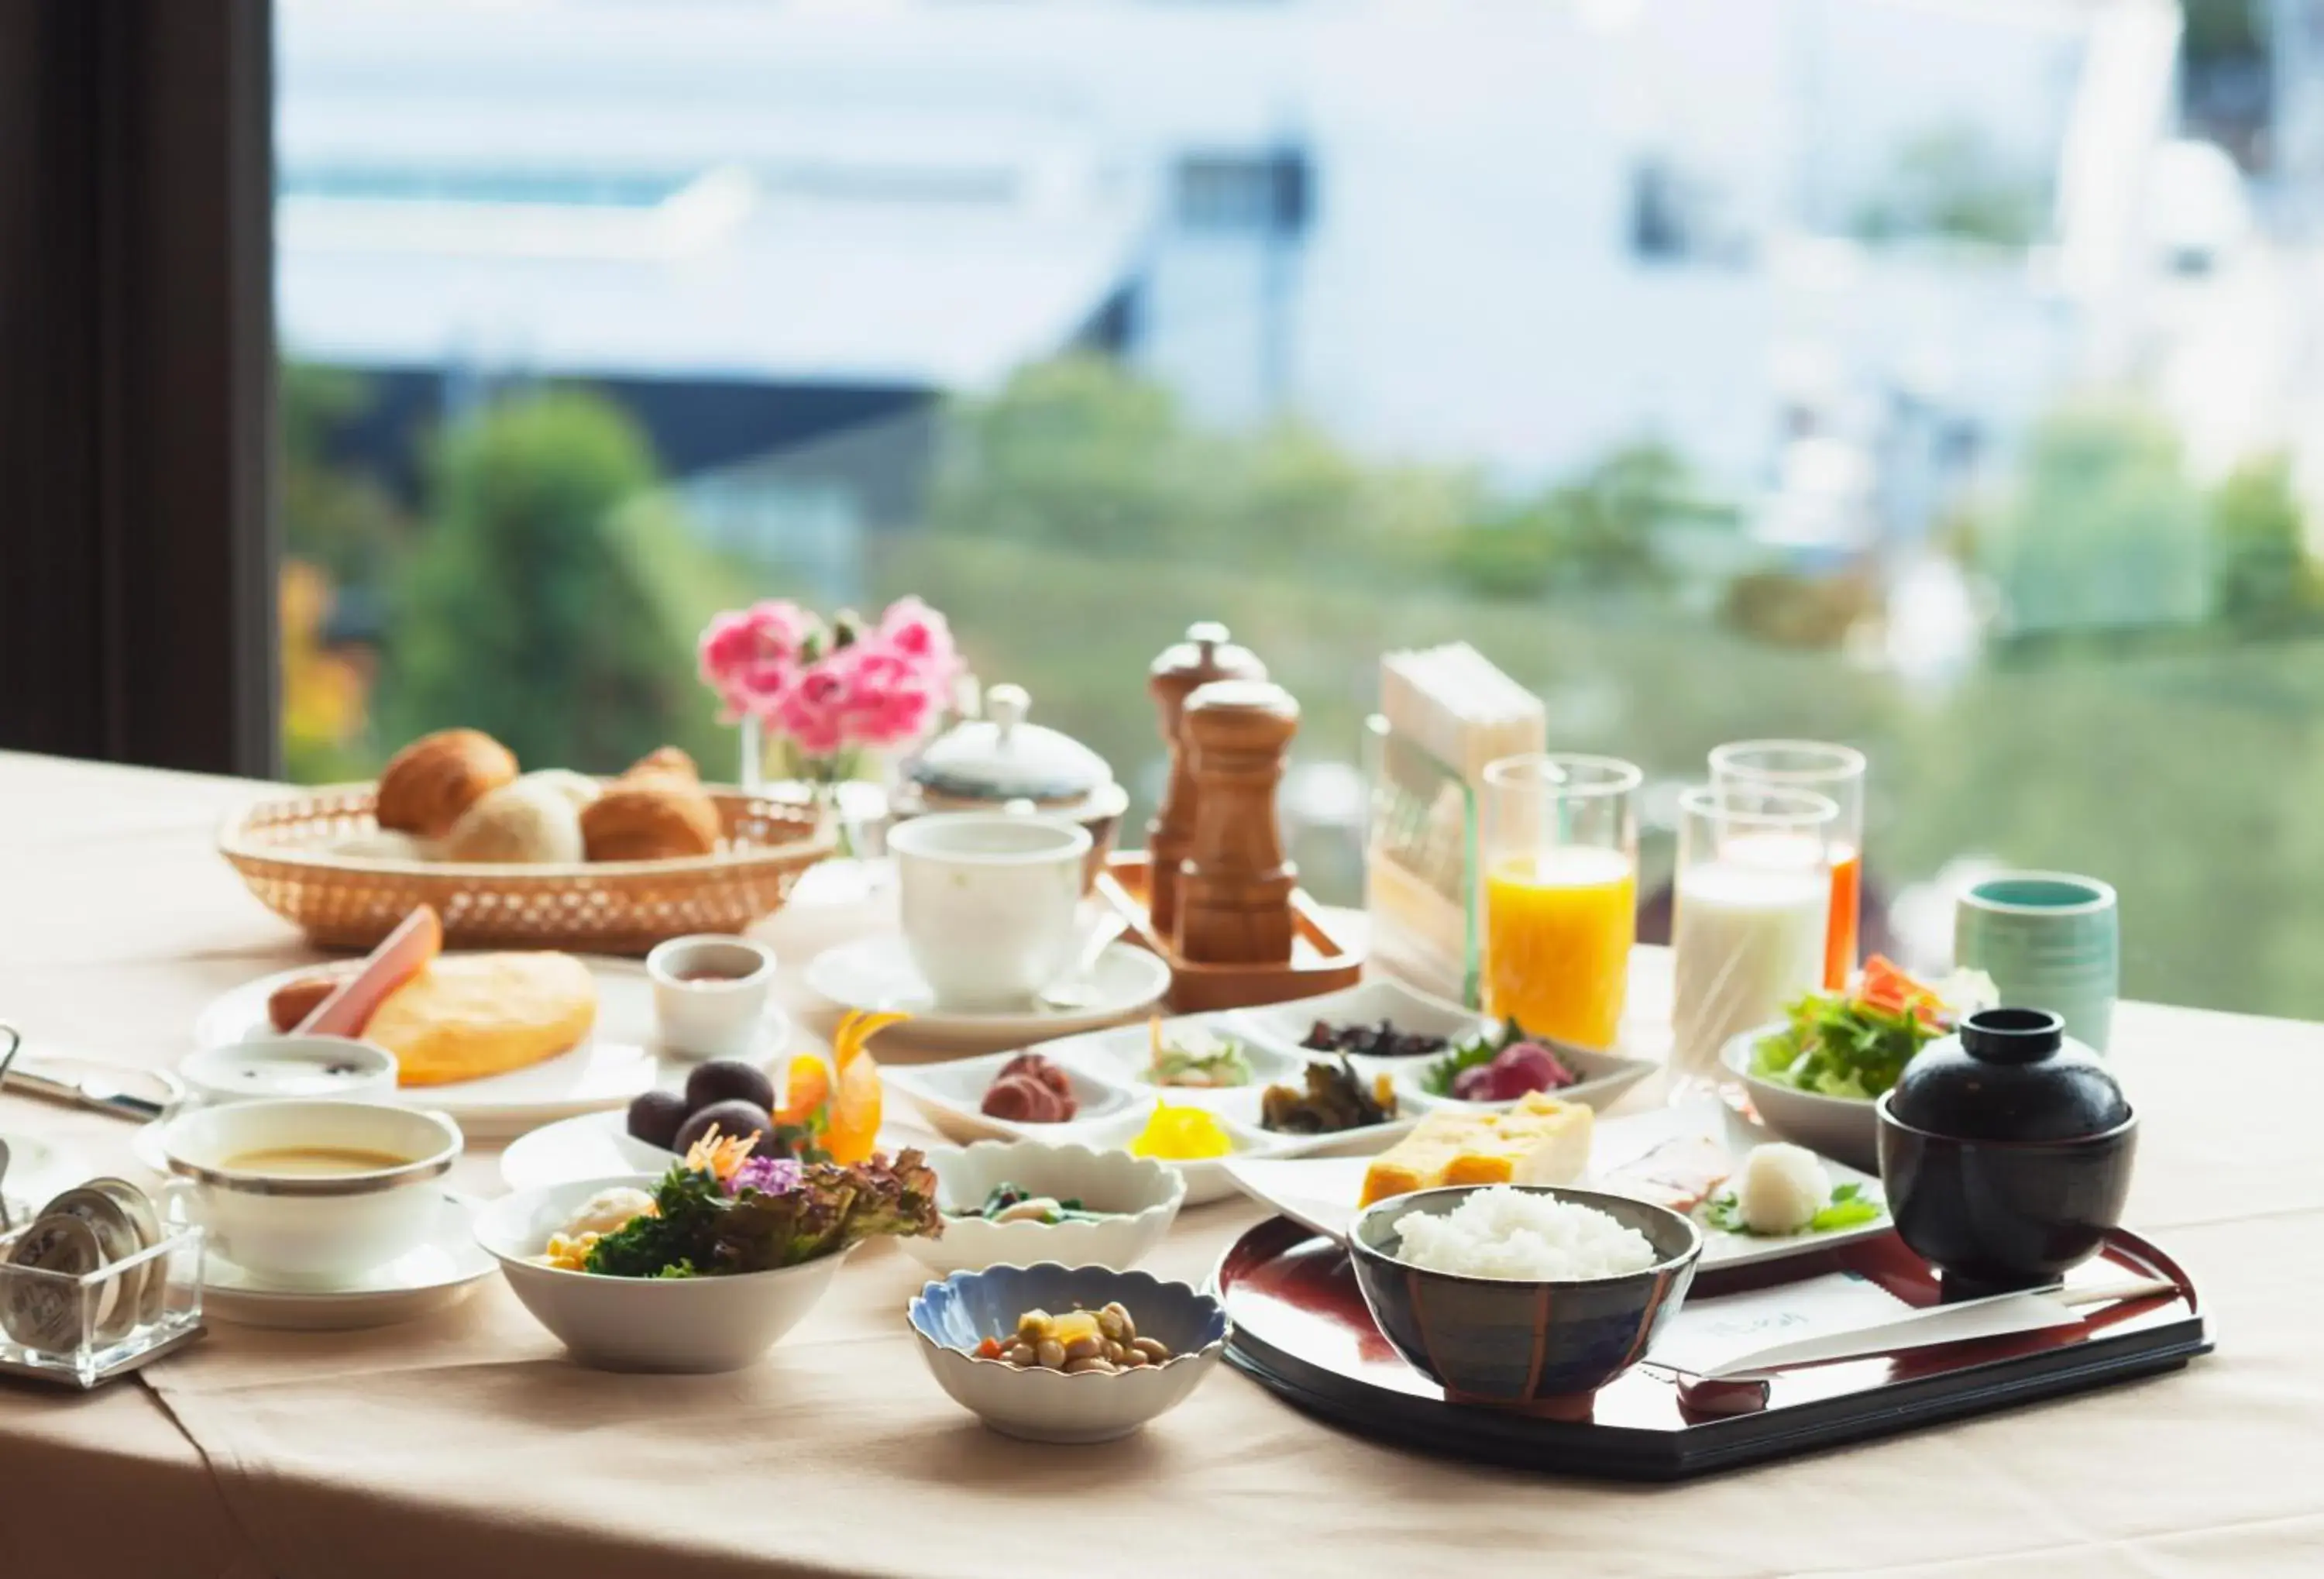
{"type": "Point", "coordinates": [1837, 773]}
{"type": "Point", "coordinates": [1561, 863]}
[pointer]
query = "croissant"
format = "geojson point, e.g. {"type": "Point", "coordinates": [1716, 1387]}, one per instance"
{"type": "Point", "coordinates": [649, 819]}
{"type": "Point", "coordinates": [431, 782]}
{"type": "Point", "coordinates": [667, 761]}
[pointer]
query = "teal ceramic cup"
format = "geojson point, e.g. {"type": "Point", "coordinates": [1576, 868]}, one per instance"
{"type": "Point", "coordinates": [2048, 940]}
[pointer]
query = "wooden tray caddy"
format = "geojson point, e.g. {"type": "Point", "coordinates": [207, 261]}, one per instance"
{"type": "Point", "coordinates": [1321, 960]}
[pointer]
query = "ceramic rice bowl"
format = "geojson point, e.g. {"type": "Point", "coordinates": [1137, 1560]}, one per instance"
{"type": "Point", "coordinates": [1502, 1341]}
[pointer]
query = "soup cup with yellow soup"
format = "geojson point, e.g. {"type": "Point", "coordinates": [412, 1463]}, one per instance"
{"type": "Point", "coordinates": [312, 1193]}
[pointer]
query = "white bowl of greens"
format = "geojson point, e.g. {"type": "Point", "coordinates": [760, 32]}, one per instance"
{"type": "Point", "coordinates": [1815, 1075]}
{"type": "Point", "coordinates": [1016, 1203]}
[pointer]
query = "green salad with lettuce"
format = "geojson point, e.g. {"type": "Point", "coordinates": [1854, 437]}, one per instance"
{"type": "Point", "coordinates": [1854, 1045]}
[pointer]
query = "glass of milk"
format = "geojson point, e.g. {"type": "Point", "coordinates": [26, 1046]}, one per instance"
{"type": "Point", "coordinates": [1837, 770]}
{"type": "Point", "coordinates": [1752, 902]}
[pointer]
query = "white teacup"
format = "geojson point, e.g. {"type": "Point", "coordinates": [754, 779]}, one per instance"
{"type": "Point", "coordinates": [312, 1193]}
{"type": "Point", "coordinates": [990, 901]}
{"type": "Point", "coordinates": [710, 994]}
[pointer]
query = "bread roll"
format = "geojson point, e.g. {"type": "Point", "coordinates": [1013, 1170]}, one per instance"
{"type": "Point", "coordinates": [429, 783]}
{"type": "Point", "coordinates": [650, 818]}
{"type": "Point", "coordinates": [668, 760]}
{"type": "Point", "coordinates": [579, 789]}
{"type": "Point", "coordinates": [529, 822]}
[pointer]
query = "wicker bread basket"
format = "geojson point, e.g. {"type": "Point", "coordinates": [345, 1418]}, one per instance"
{"type": "Point", "coordinates": [280, 847]}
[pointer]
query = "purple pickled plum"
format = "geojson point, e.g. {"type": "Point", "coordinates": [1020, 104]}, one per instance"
{"type": "Point", "coordinates": [1474, 1084]}
{"type": "Point", "coordinates": [1523, 1066]}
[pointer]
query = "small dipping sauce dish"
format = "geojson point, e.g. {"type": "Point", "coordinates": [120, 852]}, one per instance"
{"type": "Point", "coordinates": [2005, 1152]}
{"type": "Point", "coordinates": [710, 994]}
{"type": "Point", "coordinates": [331, 1067]}
{"type": "Point", "coordinates": [312, 1194]}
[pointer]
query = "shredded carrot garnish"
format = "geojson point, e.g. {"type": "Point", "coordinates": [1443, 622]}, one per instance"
{"type": "Point", "coordinates": [721, 1156]}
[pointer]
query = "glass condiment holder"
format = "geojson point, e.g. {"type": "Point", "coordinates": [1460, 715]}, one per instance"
{"type": "Point", "coordinates": [83, 1331]}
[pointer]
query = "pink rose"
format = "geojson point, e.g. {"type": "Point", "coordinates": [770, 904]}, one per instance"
{"type": "Point", "coordinates": [750, 657]}
{"type": "Point", "coordinates": [890, 700]}
{"type": "Point", "coordinates": [813, 713]}
{"type": "Point", "coordinates": [919, 635]}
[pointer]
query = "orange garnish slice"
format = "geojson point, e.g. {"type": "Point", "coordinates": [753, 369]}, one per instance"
{"type": "Point", "coordinates": [805, 1088]}
{"type": "Point", "coordinates": [853, 1124]}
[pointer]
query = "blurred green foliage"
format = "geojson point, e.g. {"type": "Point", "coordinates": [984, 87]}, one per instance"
{"type": "Point", "coordinates": [2105, 532]}
{"type": "Point", "coordinates": [1951, 182]}
{"type": "Point", "coordinates": [549, 599]}
{"type": "Point", "coordinates": [2262, 578]}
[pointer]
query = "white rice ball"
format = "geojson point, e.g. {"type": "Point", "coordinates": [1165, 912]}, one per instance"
{"type": "Point", "coordinates": [1781, 1187]}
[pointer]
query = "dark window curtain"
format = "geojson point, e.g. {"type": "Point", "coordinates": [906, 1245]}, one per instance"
{"type": "Point", "coordinates": [136, 381]}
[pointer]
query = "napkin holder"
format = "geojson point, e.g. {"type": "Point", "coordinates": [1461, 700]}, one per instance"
{"type": "Point", "coordinates": [1420, 867]}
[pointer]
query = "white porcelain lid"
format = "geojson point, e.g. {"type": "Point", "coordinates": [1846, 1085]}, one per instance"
{"type": "Point", "coordinates": [1000, 757]}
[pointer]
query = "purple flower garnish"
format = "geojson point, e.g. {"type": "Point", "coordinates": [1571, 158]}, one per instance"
{"type": "Point", "coordinates": [770, 1175]}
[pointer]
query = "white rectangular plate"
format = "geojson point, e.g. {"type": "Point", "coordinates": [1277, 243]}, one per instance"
{"type": "Point", "coordinates": [1320, 1193]}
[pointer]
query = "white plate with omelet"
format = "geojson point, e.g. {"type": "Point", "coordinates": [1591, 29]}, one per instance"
{"type": "Point", "coordinates": [500, 1042]}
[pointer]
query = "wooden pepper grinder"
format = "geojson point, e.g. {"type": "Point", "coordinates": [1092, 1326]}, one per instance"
{"type": "Point", "coordinates": [1205, 655]}
{"type": "Point", "coordinates": [1234, 885]}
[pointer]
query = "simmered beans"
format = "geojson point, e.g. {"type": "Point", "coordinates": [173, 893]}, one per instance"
{"type": "Point", "coordinates": [1080, 1340]}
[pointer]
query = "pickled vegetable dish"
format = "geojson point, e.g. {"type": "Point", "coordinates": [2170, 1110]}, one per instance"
{"type": "Point", "coordinates": [1499, 1067]}
{"type": "Point", "coordinates": [1336, 1098]}
{"type": "Point", "coordinates": [1193, 1059]}
{"type": "Point", "coordinates": [1378, 1041]}
{"type": "Point", "coordinates": [1009, 1202]}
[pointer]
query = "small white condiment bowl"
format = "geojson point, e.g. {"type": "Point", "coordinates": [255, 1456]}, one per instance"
{"type": "Point", "coordinates": [327, 1068]}
{"type": "Point", "coordinates": [311, 1230]}
{"type": "Point", "coordinates": [1144, 1194]}
{"type": "Point", "coordinates": [697, 1325]}
{"type": "Point", "coordinates": [722, 1013]}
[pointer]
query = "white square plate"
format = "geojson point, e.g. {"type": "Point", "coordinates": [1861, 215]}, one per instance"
{"type": "Point", "coordinates": [1125, 1052]}
{"type": "Point", "coordinates": [1285, 1026]}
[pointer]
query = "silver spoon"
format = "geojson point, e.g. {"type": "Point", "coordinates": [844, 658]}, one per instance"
{"type": "Point", "coordinates": [1075, 989]}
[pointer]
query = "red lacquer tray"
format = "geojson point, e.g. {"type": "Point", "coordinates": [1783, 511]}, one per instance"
{"type": "Point", "coordinates": [1300, 1330]}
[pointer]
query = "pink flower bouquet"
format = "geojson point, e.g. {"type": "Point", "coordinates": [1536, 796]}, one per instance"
{"type": "Point", "coordinates": [830, 691]}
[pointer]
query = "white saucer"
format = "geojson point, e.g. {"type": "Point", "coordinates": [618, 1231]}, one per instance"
{"type": "Point", "coordinates": [38, 1172]}
{"type": "Point", "coordinates": [876, 973]}
{"type": "Point", "coordinates": [591, 1146]}
{"type": "Point", "coordinates": [620, 1059]}
{"type": "Point", "coordinates": [436, 1276]}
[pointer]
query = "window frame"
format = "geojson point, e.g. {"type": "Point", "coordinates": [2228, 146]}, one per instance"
{"type": "Point", "coordinates": [138, 548]}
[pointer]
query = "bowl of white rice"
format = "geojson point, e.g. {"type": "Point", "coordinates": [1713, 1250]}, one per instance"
{"type": "Point", "coordinates": [1512, 1294]}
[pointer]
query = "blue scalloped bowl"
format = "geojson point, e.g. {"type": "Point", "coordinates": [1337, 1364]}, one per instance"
{"type": "Point", "coordinates": [951, 1317]}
